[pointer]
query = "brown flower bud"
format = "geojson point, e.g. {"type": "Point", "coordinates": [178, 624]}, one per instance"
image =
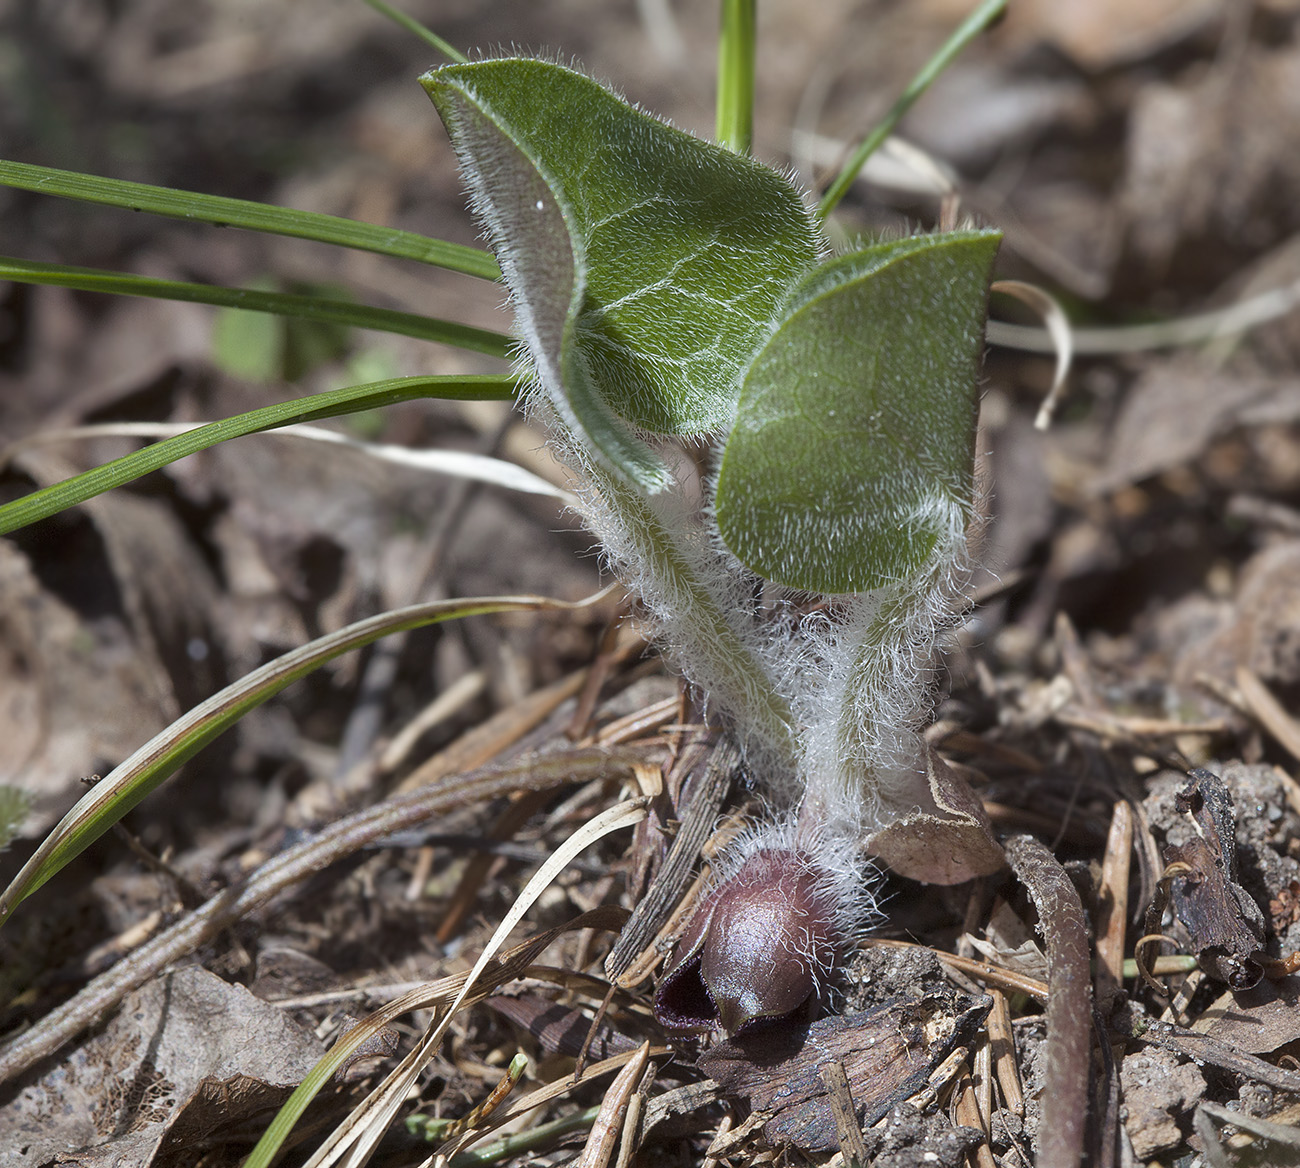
{"type": "Point", "coordinates": [760, 946]}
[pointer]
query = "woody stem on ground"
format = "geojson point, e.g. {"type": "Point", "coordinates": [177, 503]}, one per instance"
{"type": "Point", "coordinates": [1069, 1004]}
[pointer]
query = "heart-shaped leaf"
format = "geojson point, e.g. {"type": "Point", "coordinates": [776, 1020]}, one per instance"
{"type": "Point", "coordinates": [853, 445]}
{"type": "Point", "coordinates": [646, 265]}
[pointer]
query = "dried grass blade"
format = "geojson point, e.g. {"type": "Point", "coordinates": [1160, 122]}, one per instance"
{"type": "Point", "coordinates": [613, 1112]}
{"type": "Point", "coordinates": [462, 464]}
{"type": "Point", "coordinates": [281, 872]}
{"type": "Point", "coordinates": [1058, 329]}
{"type": "Point", "coordinates": [355, 1139]}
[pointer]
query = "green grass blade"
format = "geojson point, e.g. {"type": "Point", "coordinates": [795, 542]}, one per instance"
{"type": "Point", "coordinates": [116, 794]}
{"type": "Point", "coordinates": [252, 216]}
{"type": "Point", "coordinates": [341, 312]}
{"type": "Point", "coordinates": [51, 500]}
{"type": "Point", "coordinates": [736, 48]}
{"type": "Point", "coordinates": [427, 35]}
{"type": "Point", "coordinates": [970, 28]}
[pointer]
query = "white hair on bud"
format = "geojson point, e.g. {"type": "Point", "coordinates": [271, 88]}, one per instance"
{"type": "Point", "coordinates": [844, 877]}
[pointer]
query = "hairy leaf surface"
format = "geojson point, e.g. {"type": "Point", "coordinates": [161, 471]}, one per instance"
{"type": "Point", "coordinates": [851, 457]}
{"type": "Point", "coordinates": [646, 265]}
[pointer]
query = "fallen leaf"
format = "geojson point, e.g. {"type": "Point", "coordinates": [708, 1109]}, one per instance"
{"type": "Point", "coordinates": [187, 1047]}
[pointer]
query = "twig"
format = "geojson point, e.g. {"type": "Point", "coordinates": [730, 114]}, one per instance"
{"type": "Point", "coordinates": [1002, 1041]}
{"type": "Point", "coordinates": [1069, 1005]}
{"type": "Point", "coordinates": [1113, 897]}
{"type": "Point", "coordinates": [610, 1120]}
{"type": "Point", "coordinates": [968, 1115]}
{"type": "Point", "coordinates": [701, 818]}
{"type": "Point", "coordinates": [1265, 512]}
{"type": "Point", "coordinates": [846, 1121]}
{"type": "Point", "coordinates": [1268, 711]}
{"type": "Point", "coordinates": [1005, 979]}
{"type": "Point", "coordinates": [1203, 1048]}
{"type": "Point", "coordinates": [477, 747]}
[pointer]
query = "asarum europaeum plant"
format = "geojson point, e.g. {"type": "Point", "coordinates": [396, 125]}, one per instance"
{"type": "Point", "coordinates": [673, 296]}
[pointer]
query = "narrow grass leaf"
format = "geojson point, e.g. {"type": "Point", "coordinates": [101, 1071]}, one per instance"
{"type": "Point", "coordinates": [855, 433]}
{"type": "Point", "coordinates": [430, 38]}
{"type": "Point", "coordinates": [462, 464]}
{"type": "Point", "coordinates": [983, 16]}
{"type": "Point", "coordinates": [514, 963]}
{"type": "Point", "coordinates": [159, 758]}
{"type": "Point", "coordinates": [253, 216]}
{"type": "Point", "coordinates": [336, 403]}
{"type": "Point", "coordinates": [318, 308]}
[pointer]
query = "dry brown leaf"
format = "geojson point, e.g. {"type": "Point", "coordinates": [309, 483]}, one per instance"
{"type": "Point", "coordinates": [1215, 155]}
{"type": "Point", "coordinates": [159, 1061]}
{"type": "Point", "coordinates": [947, 839]}
{"type": "Point", "coordinates": [1179, 406]}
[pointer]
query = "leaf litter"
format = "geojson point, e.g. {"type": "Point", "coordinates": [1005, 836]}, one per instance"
{"type": "Point", "coordinates": [1163, 525]}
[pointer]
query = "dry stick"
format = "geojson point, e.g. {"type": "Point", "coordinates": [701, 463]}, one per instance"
{"type": "Point", "coordinates": [995, 975]}
{"type": "Point", "coordinates": [1069, 1003]}
{"type": "Point", "coordinates": [1268, 711]}
{"type": "Point", "coordinates": [1002, 1040]}
{"type": "Point", "coordinates": [941, 1078]}
{"type": "Point", "coordinates": [968, 1115]}
{"type": "Point", "coordinates": [286, 869]}
{"type": "Point", "coordinates": [700, 820]}
{"type": "Point", "coordinates": [982, 1076]}
{"type": "Point", "coordinates": [852, 1145]}
{"type": "Point", "coordinates": [1204, 1049]}
{"type": "Point", "coordinates": [1265, 512]}
{"type": "Point", "coordinates": [610, 1120]}
{"type": "Point", "coordinates": [520, 809]}
{"type": "Point", "coordinates": [1113, 896]}
{"type": "Point", "coordinates": [602, 667]}
{"type": "Point", "coordinates": [477, 747]}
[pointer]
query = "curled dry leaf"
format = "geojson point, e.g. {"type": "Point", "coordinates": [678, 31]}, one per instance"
{"type": "Point", "coordinates": [1225, 926]}
{"type": "Point", "coordinates": [947, 839]}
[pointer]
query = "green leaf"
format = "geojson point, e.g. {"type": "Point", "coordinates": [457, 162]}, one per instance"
{"type": "Point", "coordinates": [851, 457]}
{"type": "Point", "coordinates": [224, 212]}
{"type": "Point", "coordinates": [316, 308]}
{"type": "Point", "coordinates": [646, 265]}
{"type": "Point", "coordinates": [51, 500]}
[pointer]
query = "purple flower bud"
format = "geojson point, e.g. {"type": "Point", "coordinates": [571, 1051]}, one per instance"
{"type": "Point", "coordinates": [760, 946]}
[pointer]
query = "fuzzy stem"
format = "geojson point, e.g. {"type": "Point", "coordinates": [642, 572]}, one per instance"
{"type": "Point", "coordinates": [694, 616]}
{"type": "Point", "coordinates": [874, 746]}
